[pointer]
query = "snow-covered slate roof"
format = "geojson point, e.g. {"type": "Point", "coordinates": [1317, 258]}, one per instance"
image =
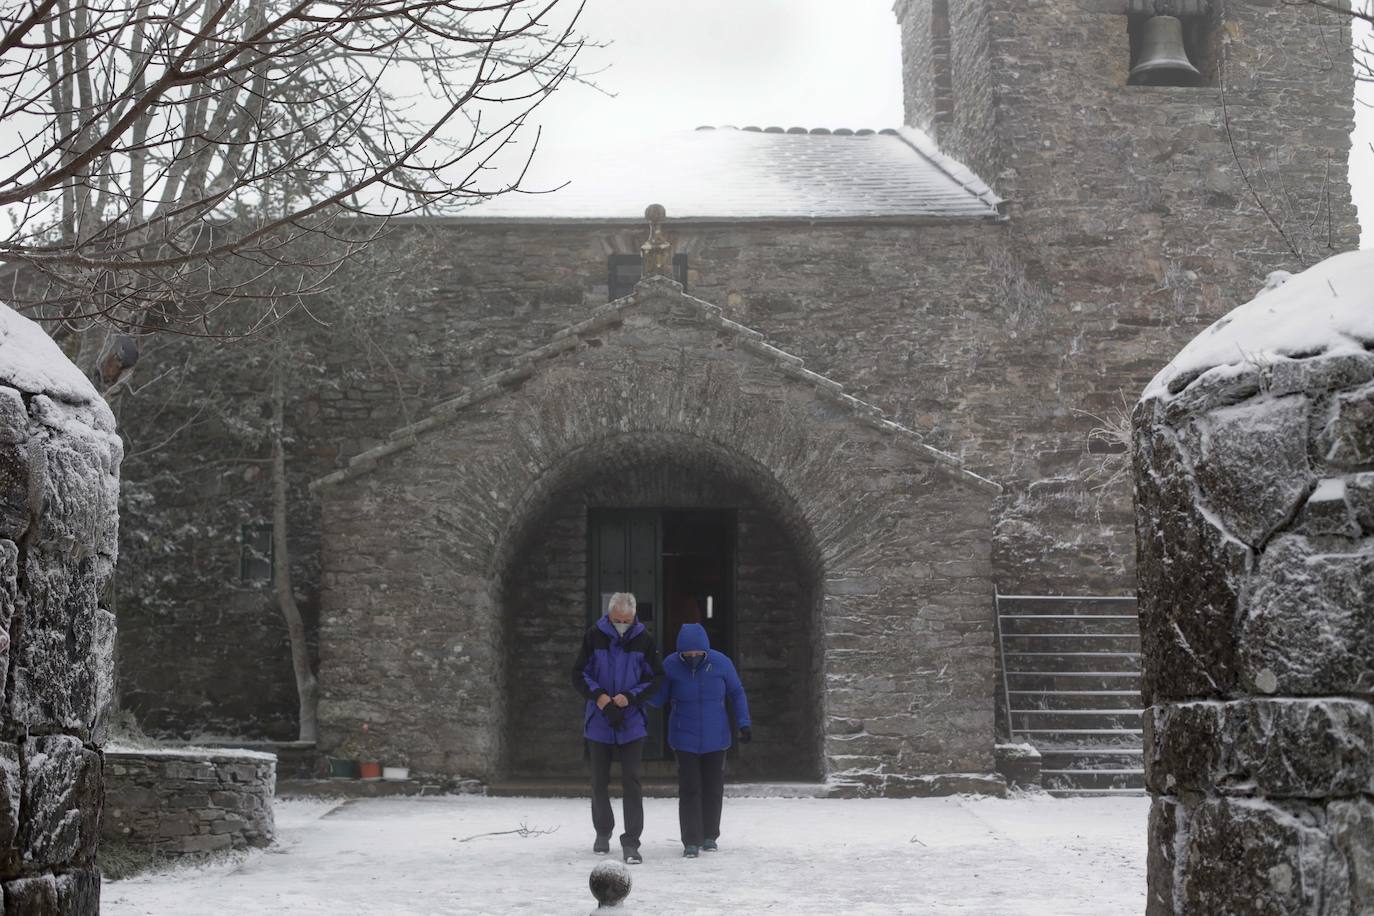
{"type": "Point", "coordinates": [571, 338]}
{"type": "Point", "coordinates": [760, 173]}
{"type": "Point", "coordinates": [1327, 308]}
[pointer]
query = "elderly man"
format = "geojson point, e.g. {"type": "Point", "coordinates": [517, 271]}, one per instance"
{"type": "Point", "coordinates": [616, 671]}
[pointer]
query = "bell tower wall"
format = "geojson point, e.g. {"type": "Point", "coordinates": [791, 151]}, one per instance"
{"type": "Point", "coordinates": [1138, 215]}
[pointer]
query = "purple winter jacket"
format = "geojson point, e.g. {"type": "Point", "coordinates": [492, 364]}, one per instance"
{"type": "Point", "coordinates": [610, 663]}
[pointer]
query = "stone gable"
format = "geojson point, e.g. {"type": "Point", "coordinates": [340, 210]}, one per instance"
{"type": "Point", "coordinates": [421, 535]}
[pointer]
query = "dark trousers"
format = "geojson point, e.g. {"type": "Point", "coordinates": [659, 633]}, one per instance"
{"type": "Point", "coordinates": [700, 794]}
{"type": "Point", "coordinates": [603, 817]}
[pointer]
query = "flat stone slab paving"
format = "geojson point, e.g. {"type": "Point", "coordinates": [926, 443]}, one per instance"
{"type": "Point", "coordinates": [479, 855]}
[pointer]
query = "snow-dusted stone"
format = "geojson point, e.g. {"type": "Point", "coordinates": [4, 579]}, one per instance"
{"type": "Point", "coordinates": [62, 781]}
{"type": "Point", "coordinates": [80, 481]}
{"type": "Point", "coordinates": [1253, 856]}
{"type": "Point", "coordinates": [103, 632]}
{"type": "Point", "coordinates": [1348, 437]}
{"type": "Point", "coordinates": [1359, 493]}
{"type": "Point", "coordinates": [1308, 626]}
{"type": "Point", "coordinates": [1190, 594]}
{"type": "Point", "coordinates": [1255, 528]}
{"type": "Point", "coordinates": [1250, 464]}
{"type": "Point", "coordinates": [1329, 510]}
{"type": "Point", "coordinates": [1284, 747]}
{"type": "Point", "coordinates": [32, 896]}
{"type": "Point", "coordinates": [54, 678]}
{"type": "Point", "coordinates": [1351, 824]}
{"type": "Point", "coordinates": [1166, 825]}
{"type": "Point", "coordinates": [610, 884]}
{"type": "Point", "coordinates": [17, 494]}
{"type": "Point", "coordinates": [78, 891]}
{"type": "Point", "coordinates": [11, 788]}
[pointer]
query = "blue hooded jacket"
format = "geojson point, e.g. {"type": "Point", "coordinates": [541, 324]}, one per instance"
{"type": "Point", "coordinates": [610, 663]}
{"type": "Point", "coordinates": [699, 722]}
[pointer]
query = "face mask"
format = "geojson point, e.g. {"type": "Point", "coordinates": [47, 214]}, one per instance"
{"type": "Point", "coordinates": [694, 660]}
{"type": "Point", "coordinates": [621, 628]}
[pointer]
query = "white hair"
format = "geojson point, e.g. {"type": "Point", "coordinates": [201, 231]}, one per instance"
{"type": "Point", "coordinates": [624, 601]}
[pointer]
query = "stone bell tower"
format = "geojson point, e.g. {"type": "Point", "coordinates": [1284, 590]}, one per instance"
{"type": "Point", "coordinates": [1141, 208]}
{"type": "Point", "coordinates": [1245, 160]}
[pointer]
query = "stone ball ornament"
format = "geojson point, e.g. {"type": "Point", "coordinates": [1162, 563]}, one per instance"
{"type": "Point", "coordinates": [610, 884]}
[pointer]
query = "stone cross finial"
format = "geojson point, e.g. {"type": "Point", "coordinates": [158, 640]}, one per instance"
{"type": "Point", "coordinates": [657, 252]}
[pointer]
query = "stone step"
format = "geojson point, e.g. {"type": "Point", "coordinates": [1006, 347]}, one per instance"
{"type": "Point", "coordinates": [1059, 662]}
{"type": "Point", "coordinates": [1020, 624]}
{"type": "Point", "coordinates": [1077, 699]}
{"type": "Point", "coordinates": [366, 788]}
{"type": "Point", "coordinates": [1070, 642]}
{"type": "Point", "coordinates": [1088, 756]}
{"type": "Point", "coordinates": [1074, 680]}
{"type": "Point", "coordinates": [1084, 735]}
{"type": "Point", "coordinates": [654, 788]}
{"type": "Point", "coordinates": [1109, 719]}
{"type": "Point", "coordinates": [1088, 793]}
{"type": "Point", "coordinates": [1066, 604]}
{"type": "Point", "coordinates": [1133, 779]}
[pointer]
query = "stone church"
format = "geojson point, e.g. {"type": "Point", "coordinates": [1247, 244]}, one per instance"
{"type": "Point", "coordinates": [875, 405]}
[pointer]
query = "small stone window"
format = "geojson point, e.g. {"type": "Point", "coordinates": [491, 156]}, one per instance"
{"type": "Point", "coordinates": [255, 554]}
{"type": "Point", "coordinates": [625, 271]}
{"type": "Point", "coordinates": [1195, 26]}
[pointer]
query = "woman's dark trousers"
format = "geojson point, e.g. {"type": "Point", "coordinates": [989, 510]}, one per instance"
{"type": "Point", "coordinates": [700, 794]}
{"type": "Point", "coordinates": [603, 818]}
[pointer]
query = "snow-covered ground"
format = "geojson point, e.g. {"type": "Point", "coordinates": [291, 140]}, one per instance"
{"type": "Point", "coordinates": [1027, 855]}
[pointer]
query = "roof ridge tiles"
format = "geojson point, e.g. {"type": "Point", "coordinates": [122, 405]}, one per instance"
{"type": "Point", "coordinates": [808, 131]}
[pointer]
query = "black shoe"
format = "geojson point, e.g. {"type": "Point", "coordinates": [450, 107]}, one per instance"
{"type": "Point", "coordinates": [709, 846]}
{"type": "Point", "coordinates": [691, 852]}
{"type": "Point", "coordinates": [632, 857]}
{"type": "Point", "coordinates": [602, 846]}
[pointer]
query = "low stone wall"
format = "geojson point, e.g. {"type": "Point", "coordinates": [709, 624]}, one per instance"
{"type": "Point", "coordinates": [184, 802]}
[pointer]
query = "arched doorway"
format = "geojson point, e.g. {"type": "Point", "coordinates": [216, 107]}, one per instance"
{"type": "Point", "coordinates": [700, 535]}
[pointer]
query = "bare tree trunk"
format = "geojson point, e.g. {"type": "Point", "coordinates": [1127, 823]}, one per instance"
{"type": "Point", "coordinates": [307, 688]}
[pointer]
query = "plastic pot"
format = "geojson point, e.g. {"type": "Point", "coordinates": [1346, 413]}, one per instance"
{"type": "Point", "coordinates": [339, 768]}
{"type": "Point", "coordinates": [369, 769]}
{"type": "Point", "coordinates": [396, 774]}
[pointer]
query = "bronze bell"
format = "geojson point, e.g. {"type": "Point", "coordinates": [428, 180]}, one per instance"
{"type": "Point", "coordinates": [1161, 51]}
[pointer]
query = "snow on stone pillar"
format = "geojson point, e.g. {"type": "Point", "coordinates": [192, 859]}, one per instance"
{"type": "Point", "coordinates": [1254, 470]}
{"type": "Point", "coordinates": [59, 485]}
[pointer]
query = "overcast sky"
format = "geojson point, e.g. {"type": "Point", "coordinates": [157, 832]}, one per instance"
{"type": "Point", "coordinates": [674, 65]}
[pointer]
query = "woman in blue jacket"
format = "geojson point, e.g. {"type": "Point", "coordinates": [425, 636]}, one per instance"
{"type": "Point", "coordinates": [699, 681]}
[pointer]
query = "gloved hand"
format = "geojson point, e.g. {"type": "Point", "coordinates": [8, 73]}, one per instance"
{"type": "Point", "coordinates": [614, 715]}
{"type": "Point", "coordinates": [746, 734]}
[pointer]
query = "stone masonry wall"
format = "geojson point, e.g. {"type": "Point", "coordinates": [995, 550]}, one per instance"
{"type": "Point", "coordinates": [416, 538]}
{"type": "Point", "coordinates": [177, 803]}
{"type": "Point", "coordinates": [1135, 219]}
{"type": "Point", "coordinates": [547, 597]}
{"type": "Point", "coordinates": [59, 482]}
{"type": "Point", "coordinates": [1131, 228]}
{"type": "Point", "coordinates": [1255, 490]}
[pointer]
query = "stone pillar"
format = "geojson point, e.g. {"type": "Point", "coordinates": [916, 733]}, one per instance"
{"type": "Point", "coordinates": [59, 486]}
{"type": "Point", "coordinates": [1254, 464]}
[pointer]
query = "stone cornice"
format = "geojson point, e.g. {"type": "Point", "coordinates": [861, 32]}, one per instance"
{"type": "Point", "coordinates": [569, 339]}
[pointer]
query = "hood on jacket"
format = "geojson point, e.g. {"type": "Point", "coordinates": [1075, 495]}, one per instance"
{"type": "Point", "coordinates": [692, 638]}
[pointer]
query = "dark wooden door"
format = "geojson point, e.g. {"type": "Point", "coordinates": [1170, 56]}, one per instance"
{"type": "Point", "coordinates": [626, 547]}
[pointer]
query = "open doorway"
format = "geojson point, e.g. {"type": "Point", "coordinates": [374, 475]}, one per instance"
{"type": "Point", "coordinates": [680, 566]}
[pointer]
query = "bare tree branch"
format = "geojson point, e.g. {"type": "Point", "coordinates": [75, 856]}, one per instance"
{"type": "Point", "coordinates": [150, 144]}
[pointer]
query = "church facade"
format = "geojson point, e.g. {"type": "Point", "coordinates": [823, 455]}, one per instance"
{"type": "Point", "coordinates": [885, 385]}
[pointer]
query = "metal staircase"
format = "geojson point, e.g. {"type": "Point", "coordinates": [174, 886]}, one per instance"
{"type": "Point", "coordinates": [1071, 681]}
